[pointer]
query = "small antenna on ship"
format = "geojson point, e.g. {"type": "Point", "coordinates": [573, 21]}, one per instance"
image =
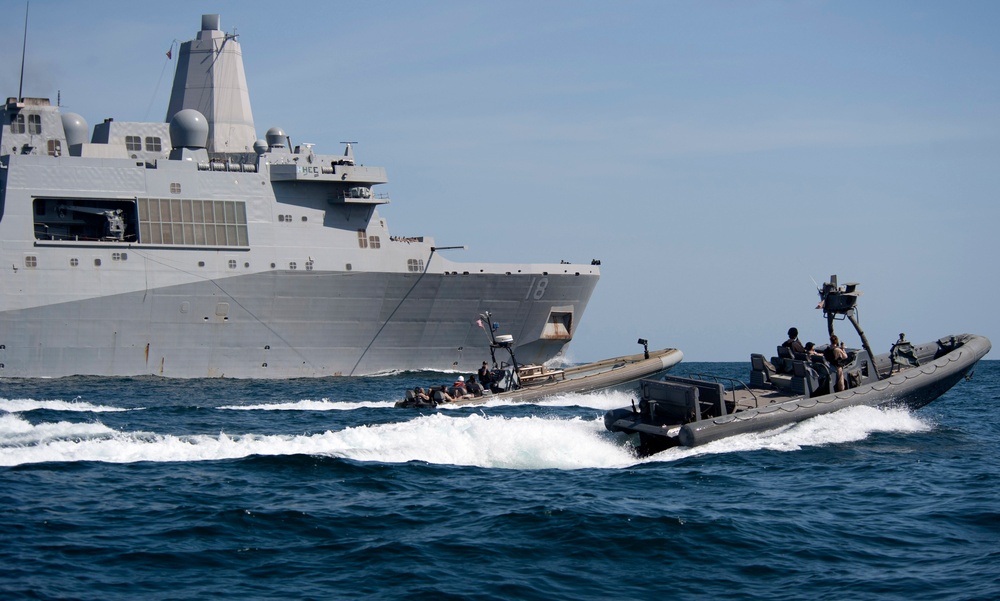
{"type": "Point", "coordinates": [24, 45]}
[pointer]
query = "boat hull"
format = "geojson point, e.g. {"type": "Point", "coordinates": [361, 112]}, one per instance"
{"type": "Point", "coordinates": [913, 388]}
{"type": "Point", "coordinates": [609, 373]}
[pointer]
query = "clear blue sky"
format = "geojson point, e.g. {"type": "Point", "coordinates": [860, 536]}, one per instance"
{"type": "Point", "coordinates": [716, 156]}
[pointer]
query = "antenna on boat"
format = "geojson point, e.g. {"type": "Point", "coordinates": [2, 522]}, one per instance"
{"type": "Point", "coordinates": [505, 342]}
{"type": "Point", "coordinates": [24, 46]}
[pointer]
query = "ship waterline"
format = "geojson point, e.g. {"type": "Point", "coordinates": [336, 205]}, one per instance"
{"type": "Point", "coordinates": [174, 250]}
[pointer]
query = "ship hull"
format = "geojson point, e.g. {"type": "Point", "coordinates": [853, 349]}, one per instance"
{"type": "Point", "coordinates": [289, 324]}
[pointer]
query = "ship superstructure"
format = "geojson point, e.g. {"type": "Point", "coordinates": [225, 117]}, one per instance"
{"type": "Point", "coordinates": [191, 248]}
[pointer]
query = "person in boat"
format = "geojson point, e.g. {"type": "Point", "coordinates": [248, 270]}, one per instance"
{"type": "Point", "coordinates": [811, 350]}
{"type": "Point", "coordinates": [443, 390]}
{"type": "Point", "coordinates": [485, 377]}
{"type": "Point", "coordinates": [837, 356]}
{"type": "Point", "coordinates": [420, 395]}
{"type": "Point", "coordinates": [458, 389]}
{"type": "Point", "coordinates": [793, 343]}
{"type": "Point", "coordinates": [473, 386]}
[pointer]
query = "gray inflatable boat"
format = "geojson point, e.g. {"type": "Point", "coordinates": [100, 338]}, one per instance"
{"type": "Point", "coordinates": [794, 386]}
{"type": "Point", "coordinates": [514, 382]}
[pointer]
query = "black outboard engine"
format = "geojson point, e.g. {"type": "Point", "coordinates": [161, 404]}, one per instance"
{"type": "Point", "coordinates": [505, 380]}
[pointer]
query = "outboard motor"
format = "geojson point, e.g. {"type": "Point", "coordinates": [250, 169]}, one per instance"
{"type": "Point", "coordinates": [505, 380]}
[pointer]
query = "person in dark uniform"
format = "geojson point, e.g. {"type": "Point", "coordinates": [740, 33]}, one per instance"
{"type": "Point", "coordinates": [473, 387]}
{"type": "Point", "coordinates": [793, 341]}
{"type": "Point", "coordinates": [485, 378]}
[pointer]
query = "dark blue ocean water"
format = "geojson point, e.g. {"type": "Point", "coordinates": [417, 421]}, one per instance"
{"type": "Point", "coordinates": [319, 489]}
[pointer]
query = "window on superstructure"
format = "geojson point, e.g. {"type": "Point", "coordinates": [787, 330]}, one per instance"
{"type": "Point", "coordinates": [153, 144]}
{"type": "Point", "coordinates": [232, 263]}
{"type": "Point", "coordinates": [119, 256]}
{"type": "Point", "coordinates": [362, 239]}
{"type": "Point", "coordinates": [17, 124]}
{"type": "Point", "coordinates": [175, 188]}
{"type": "Point", "coordinates": [55, 148]}
{"type": "Point", "coordinates": [415, 265]}
{"type": "Point", "coordinates": [292, 265]}
{"type": "Point", "coordinates": [192, 222]}
{"type": "Point", "coordinates": [133, 143]}
{"type": "Point", "coordinates": [74, 262]}
{"type": "Point", "coordinates": [30, 261]}
{"type": "Point", "coordinates": [374, 242]}
{"type": "Point", "coordinates": [309, 265]}
{"type": "Point", "coordinates": [34, 124]}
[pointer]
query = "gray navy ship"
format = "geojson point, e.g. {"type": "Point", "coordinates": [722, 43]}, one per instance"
{"type": "Point", "coordinates": [191, 248]}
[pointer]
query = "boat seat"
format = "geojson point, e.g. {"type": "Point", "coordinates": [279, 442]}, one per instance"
{"type": "Point", "coordinates": [903, 356]}
{"type": "Point", "coordinates": [805, 380]}
{"type": "Point", "coordinates": [712, 401]}
{"type": "Point", "coordinates": [783, 362]}
{"type": "Point", "coordinates": [824, 371]}
{"type": "Point", "coordinates": [760, 371]}
{"type": "Point", "coordinates": [669, 402]}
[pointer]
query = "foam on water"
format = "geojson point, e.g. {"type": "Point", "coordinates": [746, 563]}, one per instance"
{"type": "Point", "coordinates": [23, 405]}
{"type": "Point", "coordinates": [475, 440]}
{"type": "Point", "coordinates": [310, 405]}
{"type": "Point", "coordinates": [847, 425]}
{"type": "Point", "coordinates": [16, 432]}
{"type": "Point", "coordinates": [487, 441]}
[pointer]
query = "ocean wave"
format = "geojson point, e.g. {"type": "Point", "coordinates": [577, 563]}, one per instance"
{"type": "Point", "coordinates": [310, 405]}
{"type": "Point", "coordinates": [25, 405]}
{"type": "Point", "coordinates": [526, 443]}
{"type": "Point", "coordinates": [847, 425]}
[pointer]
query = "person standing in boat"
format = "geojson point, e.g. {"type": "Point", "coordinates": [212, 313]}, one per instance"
{"type": "Point", "coordinates": [793, 343]}
{"type": "Point", "coordinates": [836, 355]}
{"type": "Point", "coordinates": [485, 378]}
